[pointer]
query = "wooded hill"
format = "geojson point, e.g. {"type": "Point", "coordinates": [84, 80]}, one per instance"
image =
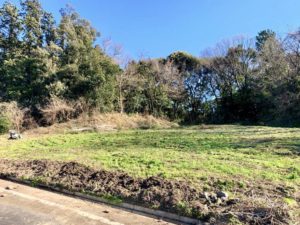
{"type": "Point", "coordinates": [242, 80]}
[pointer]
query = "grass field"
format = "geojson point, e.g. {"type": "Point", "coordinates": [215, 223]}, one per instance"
{"type": "Point", "coordinates": [240, 153]}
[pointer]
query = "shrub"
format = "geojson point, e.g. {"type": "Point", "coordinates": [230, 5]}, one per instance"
{"type": "Point", "coordinates": [59, 110]}
{"type": "Point", "coordinates": [4, 125]}
{"type": "Point", "coordinates": [12, 114]}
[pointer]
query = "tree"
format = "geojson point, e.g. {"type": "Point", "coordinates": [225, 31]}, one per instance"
{"type": "Point", "coordinates": [10, 31]}
{"type": "Point", "coordinates": [291, 46]}
{"type": "Point", "coordinates": [231, 78]}
{"type": "Point", "coordinates": [49, 29]}
{"type": "Point", "coordinates": [32, 14]}
{"type": "Point", "coordinates": [198, 95]}
{"type": "Point", "coordinates": [184, 62]}
{"type": "Point", "coordinates": [84, 68]}
{"type": "Point", "coordinates": [262, 37]}
{"type": "Point", "coordinates": [150, 85]}
{"type": "Point", "coordinates": [280, 79]}
{"type": "Point", "coordinates": [10, 45]}
{"type": "Point", "coordinates": [184, 102]}
{"type": "Point", "coordinates": [40, 60]}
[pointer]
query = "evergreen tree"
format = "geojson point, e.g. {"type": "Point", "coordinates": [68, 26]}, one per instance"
{"type": "Point", "coordinates": [84, 69]}
{"type": "Point", "coordinates": [32, 14]}
{"type": "Point", "coordinates": [10, 48]}
{"type": "Point", "coordinates": [262, 37]}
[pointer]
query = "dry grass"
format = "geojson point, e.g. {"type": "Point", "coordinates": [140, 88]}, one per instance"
{"type": "Point", "coordinates": [13, 113]}
{"type": "Point", "coordinates": [105, 122]}
{"type": "Point", "coordinates": [59, 110]}
{"type": "Point", "coordinates": [124, 121]}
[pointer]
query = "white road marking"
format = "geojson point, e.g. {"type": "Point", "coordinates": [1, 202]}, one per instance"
{"type": "Point", "coordinates": [79, 212]}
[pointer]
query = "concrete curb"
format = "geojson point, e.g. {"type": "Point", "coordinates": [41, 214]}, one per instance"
{"type": "Point", "coordinates": [126, 206]}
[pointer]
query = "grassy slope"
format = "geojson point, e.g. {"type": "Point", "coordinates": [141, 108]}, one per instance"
{"type": "Point", "coordinates": [235, 153]}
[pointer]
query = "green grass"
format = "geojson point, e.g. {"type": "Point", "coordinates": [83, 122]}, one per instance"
{"type": "Point", "coordinates": [241, 153]}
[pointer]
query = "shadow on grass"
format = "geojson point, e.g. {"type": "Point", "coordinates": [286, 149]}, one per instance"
{"type": "Point", "coordinates": [290, 145]}
{"type": "Point", "coordinates": [188, 143]}
{"type": "Point", "coordinates": [293, 147]}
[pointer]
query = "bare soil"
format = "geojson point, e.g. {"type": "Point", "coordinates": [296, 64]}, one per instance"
{"type": "Point", "coordinates": [153, 192]}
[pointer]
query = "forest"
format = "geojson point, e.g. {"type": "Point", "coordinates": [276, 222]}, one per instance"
{"type": "Point", "coordinates": [58, 65]}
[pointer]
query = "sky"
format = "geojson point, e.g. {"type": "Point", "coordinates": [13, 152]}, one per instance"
{"type": "Point", "coordinates": [156, 28]}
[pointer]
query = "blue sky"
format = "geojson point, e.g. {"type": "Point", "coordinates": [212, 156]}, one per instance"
{"type": "Point", "coordinates": [156, 28]}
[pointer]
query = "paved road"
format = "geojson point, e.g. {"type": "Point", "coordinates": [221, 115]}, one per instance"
{"type": "Point", "coordinates": [23, 205]}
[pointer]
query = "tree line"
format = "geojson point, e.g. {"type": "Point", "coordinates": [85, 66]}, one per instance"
{"type": "Point", "coordinates": [254, 81]}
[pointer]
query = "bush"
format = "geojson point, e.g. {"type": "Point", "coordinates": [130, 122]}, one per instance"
{"type": "Point", "coordinates": [59, 110]}
{"type": "Point", "coordinates": [4, 125]}
{"type": "Point", "coordinates": [12, 114]}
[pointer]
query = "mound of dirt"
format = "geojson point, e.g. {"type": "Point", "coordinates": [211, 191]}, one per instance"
{"type": "Point", "coordinates": [155, 192]}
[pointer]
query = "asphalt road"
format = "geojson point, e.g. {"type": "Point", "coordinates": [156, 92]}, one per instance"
{"type": "Point", "coordinates": [23, 205]}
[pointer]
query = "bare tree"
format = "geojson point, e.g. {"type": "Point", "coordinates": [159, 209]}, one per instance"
{"type": "Point", "coordinates": [117, 53]}
{"type": "Point", "coordinates": [291, 45]}
{"type": "Point", "coordinates": [168, 75]}
{"type": "Point", "coordinates": [231, 71]}
{"type": "Point", "coordinates": [222, 47]}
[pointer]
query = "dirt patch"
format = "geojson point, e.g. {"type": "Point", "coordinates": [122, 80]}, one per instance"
{"type": "Point", "coordinates": [154, 192]}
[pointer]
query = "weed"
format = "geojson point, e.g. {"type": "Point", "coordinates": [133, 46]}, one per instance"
{"type": "Point", "coordinates": [290, 201]}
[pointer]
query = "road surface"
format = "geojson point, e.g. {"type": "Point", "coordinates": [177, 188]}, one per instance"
{"type": "Point", "coordinates": [23, 205]}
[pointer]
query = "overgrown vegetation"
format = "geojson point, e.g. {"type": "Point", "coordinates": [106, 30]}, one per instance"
{"type": "Point", "coordinates": [41, 60]}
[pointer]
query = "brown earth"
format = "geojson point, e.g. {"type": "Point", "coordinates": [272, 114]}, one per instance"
{"type": "Point", "coordinates": [154, 192]}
